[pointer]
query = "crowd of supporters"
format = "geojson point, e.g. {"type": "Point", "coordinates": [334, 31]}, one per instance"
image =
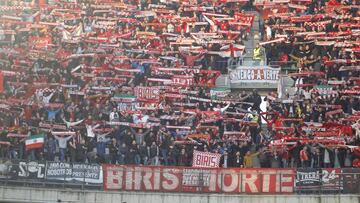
{"type": "Point", "coordinates": [132, 82]}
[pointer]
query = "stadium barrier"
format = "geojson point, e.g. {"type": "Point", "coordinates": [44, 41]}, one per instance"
{"type": "Point", "coordinates": [180, 179]}
{"type": "Point", "coordinates": [286, 67]}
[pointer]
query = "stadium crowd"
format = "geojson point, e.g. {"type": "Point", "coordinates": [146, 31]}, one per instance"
{"type": "Point", "coordinates": [133, 82]}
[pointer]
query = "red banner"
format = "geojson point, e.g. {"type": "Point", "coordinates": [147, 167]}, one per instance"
{"type": "Point", "coordinates": [40, 42]}
{"type": "Point", "coordinates": [178, 179]}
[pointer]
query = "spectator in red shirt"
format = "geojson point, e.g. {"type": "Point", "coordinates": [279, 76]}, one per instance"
{"type": "Point", "coordinates": [285, 157]}
{"type": "Point", "coordinates": [284, 58]}
{"type": "Point", "coordinates": [304, 157]}
{"type": "Point", "coordinates": [190, 59]}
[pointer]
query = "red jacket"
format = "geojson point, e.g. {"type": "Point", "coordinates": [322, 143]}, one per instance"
{"type": "Point", "coordinates": [304, 156]}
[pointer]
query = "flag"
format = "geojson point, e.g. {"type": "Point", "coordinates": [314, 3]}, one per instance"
{"type": "Point", "coordinates": [78, 31]}
{"type": "Point", "coordinates": [66, 35]}
{"type": "Point", "coordinates": [74, 35]}
{"type": "Point", "coordinates": [219, 92]}
{"type": "Point", "coordinates": [232, 50]}
{"type": "Point", "coordinates": [140, 118]}
{"type": "Point", "coordinates": [125, 102]}
{"type": "Point", "coordinates": [324, 90]}
{"type": "Point", "coordinates": [124, 98]}
{"type": "Point", "coordinates": [34, 142]}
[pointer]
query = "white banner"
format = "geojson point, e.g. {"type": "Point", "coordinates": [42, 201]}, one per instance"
{"type": "Point", "coordinates": [254, 74]}
{"type": "Point", "coordinates": [206, 159]}
{"type": "Point", "coordinates": [147, 92]}
{"type": "Point", "coordinates": [183, 80]}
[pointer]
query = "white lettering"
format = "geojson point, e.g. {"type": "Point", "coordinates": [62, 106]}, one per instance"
{"type": "Point", "coordinates": [129, 178]}
{"type": "Point", "coordinates": [147, 178]}
{"type": "Point", "coordinates": [156, 179]}
{"type": "Point", "coordinates": [172, 181]}
{"type": "Point", "coordinates": [114, 178]}
{"type": "Point", "coordinates": [137, 179]}
{"type": "Point", "coordinates": [287, 180]}
{"type": "Point", "coordinates": [249, 180]}
{"type": "Point", "coordinates": [228, 176]}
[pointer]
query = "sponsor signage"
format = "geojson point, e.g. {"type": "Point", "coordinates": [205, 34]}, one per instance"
{"type": "Point", "coordinates": [309, 179]}
{"type": "Point", "coordinates": [331, 180]}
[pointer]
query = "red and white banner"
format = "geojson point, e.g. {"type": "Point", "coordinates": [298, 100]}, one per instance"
{"type": "Point", "coordinates": [272, 41]}
{"type": "Point", "coordinates": [178, 179]}
{"type": "Point", "coordinates": [236, 135]}
{"type": "Point", "coordinates": [245, 18]}
{"type": "Point", "coordinates": [183, 80]}
{"type": "Point", "coordinates": [40, 42]}
{"type": "Point", "coordinates": [147, 92]}
{"type": "Point", "coordinates": [206, 159]}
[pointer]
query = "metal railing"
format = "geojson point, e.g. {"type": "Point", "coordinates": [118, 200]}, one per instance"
{"type": "Point", "coordinates": [286, 67]}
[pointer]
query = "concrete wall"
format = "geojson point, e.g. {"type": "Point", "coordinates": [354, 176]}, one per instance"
{"type": "Point", "coordinates": [34, 195]}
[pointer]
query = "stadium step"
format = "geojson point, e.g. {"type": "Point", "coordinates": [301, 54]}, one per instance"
{"type": "Point", "coordinates": [248, 62]}
{"type": "Point", "coordinates": [288, 84]}
{"type": "Point", "coordinates": [253, 39]}
{"type": "Point", "coordinates": [223, 81]}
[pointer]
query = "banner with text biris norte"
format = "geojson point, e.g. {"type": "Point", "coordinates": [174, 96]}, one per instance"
{"type": "Point", "coordinates": [215, 180]}
{"type": "Point", "coordinates": [254, 74]}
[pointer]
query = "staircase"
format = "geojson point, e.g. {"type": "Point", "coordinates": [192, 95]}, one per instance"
{"type": "Point", "coordinates": [253, 39]}
{"type": "Point", "coordinates": [223, 81]}
{"type": "Point", "coordinates": [250, 44]}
